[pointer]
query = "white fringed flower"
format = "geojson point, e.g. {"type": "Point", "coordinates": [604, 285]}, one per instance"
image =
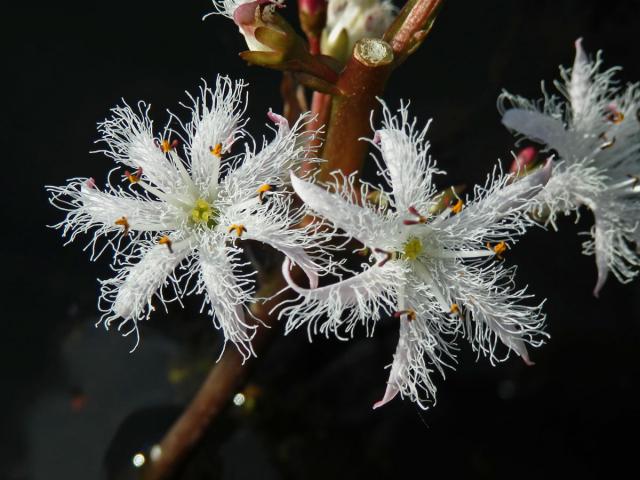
{"type": "Point", "coordinates": [596, 134]}
{"type": "Point", "coordinates": [177, 222]}
{"type": "Point", "coordinates": [435, 268]}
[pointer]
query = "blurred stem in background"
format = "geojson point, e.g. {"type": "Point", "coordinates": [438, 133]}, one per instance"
{"type": "Point", "coordinates": [342, 99]}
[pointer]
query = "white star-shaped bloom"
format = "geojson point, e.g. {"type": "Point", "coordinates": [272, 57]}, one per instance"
{"type": "Point", "coordinates": [596, 134]}
{"type": "Point", "coordinates": [437, 270]}
{"type": "Point", "coordinates": [186, 201]}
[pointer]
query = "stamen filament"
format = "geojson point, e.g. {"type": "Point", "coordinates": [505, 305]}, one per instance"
{"type": "Point", "coordinates": [409, 312]}
{"type": "Point", "coordinates": [413, 211]}
{"type": "Point", "coordinates": [388, 256]}
{"type": "Point", "coordinates": [607, 143]}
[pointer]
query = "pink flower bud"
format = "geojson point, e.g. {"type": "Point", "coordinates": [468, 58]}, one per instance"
{"type": "Point", "coordinates": [525, 160]}
{"type": "Point", "coordinates": [311, 7]}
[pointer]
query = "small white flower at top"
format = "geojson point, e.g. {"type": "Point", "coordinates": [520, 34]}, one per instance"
{"type": "Point", "coordinates": [174, 220]}
{"type": "Point", "coordinates": [596, 134]}
{"type": "Point", "coordinates": [436, 268]}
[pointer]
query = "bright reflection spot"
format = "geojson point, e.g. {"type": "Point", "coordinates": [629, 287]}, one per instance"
{"type": "Point", "coordinates": [155, 452]}
{"type": "Point", "coordinates": [238, 399]}
{"type": "Point", "coordinates": [138, 460]}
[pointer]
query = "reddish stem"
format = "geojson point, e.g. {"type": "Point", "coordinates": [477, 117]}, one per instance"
{"type": "Point", "coordinates": [364, 78]}
{"type": "Point", "coordinates": [414, 18]}
{"type": "Point", "coordinates": [222, 382]}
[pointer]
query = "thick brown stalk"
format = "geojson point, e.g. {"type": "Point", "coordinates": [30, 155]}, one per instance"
{"type": "Point", "coordinates": [313, 17]}
{"type": "Point", "coordinates": [222, 382]}
{"type": "Point", "coordinates": [364, 78]}
{"type": "Point", "coordinates": [320, 106]}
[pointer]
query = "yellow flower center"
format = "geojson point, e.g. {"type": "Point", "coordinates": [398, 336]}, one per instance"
{"type": "Point", "coordinates": [412, 248]}
{"type": "Point", "coordinates": [203, 212]}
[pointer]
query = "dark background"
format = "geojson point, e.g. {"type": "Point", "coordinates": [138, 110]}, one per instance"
{"type": "Point", "coordinates": [76, 403]}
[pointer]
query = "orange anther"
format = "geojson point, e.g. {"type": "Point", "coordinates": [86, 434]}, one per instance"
{"type": "Point", "coordinates": [615, 117]}
{"type": "Point", "coordinates": [499, 248]}
{"type": "Point", "coordinates": [239, 229]}
{"type": "Point", "coordinates": [124, 223]}
{"type": "Point", "coordinates": [262, 190]}
{"type": "Point", "coordinates": [133, 177]}
{"type": "Point", "coordinates": [455, 309]}
{"type": "Point", "coordinates": [457, 208]}
{"type": "Point", "coordinates": [165, 240]}
{"type": "Point", "coordinates": [167, 146]}
{"type": "Point", "coordinates": [216, 150]}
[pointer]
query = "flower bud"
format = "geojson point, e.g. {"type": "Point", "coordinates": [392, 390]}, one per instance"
{"type": "Point", "coordinates": [524, 162]}
{"type": "Point", "coordinates": [311, 7]}
{"type": "Point", "coordinates": [250, 16]}
{"type": "Point", "coordinates": [351, 20]}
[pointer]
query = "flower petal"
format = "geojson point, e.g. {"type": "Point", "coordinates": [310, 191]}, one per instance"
{"type": "Point", "coordinates": [356, 221]}
{"type": "Point", "coordinates": [537, 126]}
{"type": "Point", "coordinates": [128, 296]}
{"type": "Point", "coordinates": [405, 151]}
{"type": "Point", "coordinates": [130, 141]}
{"type": "Point", "coordinates": [216, 124]}
{"type": "Point", "coordinates": [420, 351]}
{"type": "Point", "coordinates": [580, 83]}
{"type": "Point", "coordinates": [359, 299]}
{"type": "Point", "coordinates": [518, 194]}
{"type": "Point", "coordinates": [272, 163]}
{"type": "Point", "coordinates": [601, 252]}
{"type": "Point", "coordinates": [226, 291]}
{"type": "Point", "coordinates": [89, 209]}
{"type": "Point", "coordinates": [494, 311]}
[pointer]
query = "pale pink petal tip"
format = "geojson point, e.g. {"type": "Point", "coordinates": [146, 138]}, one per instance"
{"type": "Point", "coordinates": [279, 120]}
{"type": "Point", "coordinates": [603, 271]}
{"type": "Point", "coordinates": [598, 287]}
{"type": "Point", "coordinates": [389, 395]}
{"type": "Point", "coordinates": [245, 14]}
